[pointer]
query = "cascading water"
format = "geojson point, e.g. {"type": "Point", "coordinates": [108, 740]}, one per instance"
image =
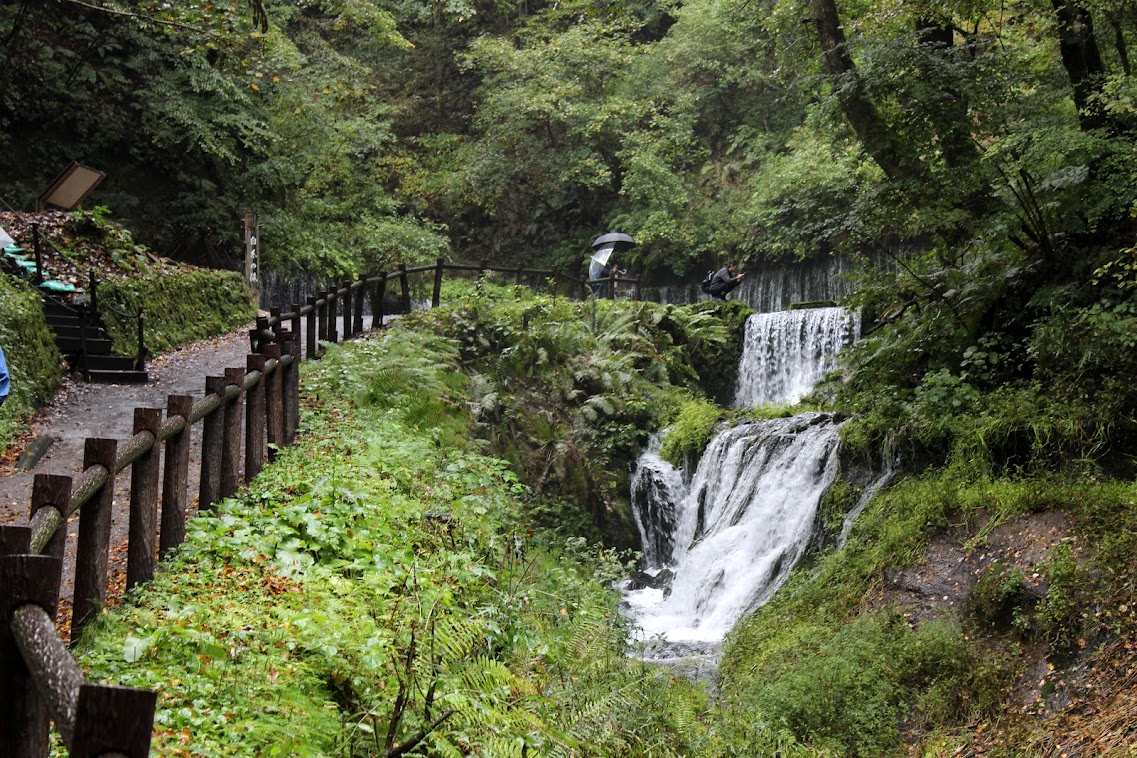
{"type": "Point", "coordinates": [729, 533]}
{"type": "Point", "coordinates": [785, 353]}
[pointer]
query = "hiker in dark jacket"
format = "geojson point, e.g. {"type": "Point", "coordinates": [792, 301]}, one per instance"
{"type": "Point", "coordinates": [724, 280]}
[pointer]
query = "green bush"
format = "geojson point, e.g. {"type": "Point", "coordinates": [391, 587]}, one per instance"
{"type": "Point", "coordinates": [180, 305]}
{"type": "Point", "coordinates": [33, 359]}
{"type": "Point", "coordinates": [850, 693]}
{"type": "Point", "coordinates": [689, 433]}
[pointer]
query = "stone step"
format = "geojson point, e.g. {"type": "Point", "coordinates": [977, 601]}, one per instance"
{"type": "Point", "coordinates": [118, 377]}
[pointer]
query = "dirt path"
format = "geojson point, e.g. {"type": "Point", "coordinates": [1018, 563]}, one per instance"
{"type": "Point", "coordinates": [81, 410]}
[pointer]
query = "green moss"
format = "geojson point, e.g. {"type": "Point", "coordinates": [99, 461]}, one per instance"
{"type": "Point", "coordinates": [33, 359]}
{"type": "Point", "coordinates": [180, 305]}
{"type": "Point", "coordinates": [689, 433]}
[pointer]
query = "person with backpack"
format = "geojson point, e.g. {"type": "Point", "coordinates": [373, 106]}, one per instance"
{"type": "Point", "coordinates": [723, 281]}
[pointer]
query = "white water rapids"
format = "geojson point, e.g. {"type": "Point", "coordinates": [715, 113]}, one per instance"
{"type": "Point", "coordinates": [728, 533]}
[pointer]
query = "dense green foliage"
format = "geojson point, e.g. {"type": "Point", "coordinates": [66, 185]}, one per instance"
{"type": "Point", "coordinates": [33, 359]}
{"type": "Point", "coordinates": [984, 150]}
{"type": "Point", "coordinates": [378, 582]}
{"type": "Point", "coordinates": [568, 392]}
{"type": "Point", "coordinates": [372, 132]}
{"type": "Point", "coordinates": [179, 305]}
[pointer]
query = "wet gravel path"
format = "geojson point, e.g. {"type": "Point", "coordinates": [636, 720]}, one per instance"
{"type": "Point", "coordinates": [80, 410]}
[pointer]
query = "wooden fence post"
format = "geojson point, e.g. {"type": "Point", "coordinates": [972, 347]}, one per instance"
{"type": "Point", "coordinates": [212, 446]}
{"type": "Point", "coordinates": [348, 310]}
{"type": "Point", "coordinates": [24, 721]}
{"type": "Point", "coordinates": [377, 301]}
{"type": "Point", "coordinates": [143, 527]}
{"type": "Point", "coordinates": [94, 539]}
{"type": "Point", "coordinates": [231, 446]}
{"type": "Point", "coordinates": [436, 297]}
{"type": "Point", "coordinates": [175, 476]}
{"type": "Point", "coordinates": [274, 406]}
{"type": "Point", "coordinates": [357, 324]}
{"type": "Point", "coordinates": [311, 329]}
{"type": "Point", "coordinates": [53, 491]}
{"type": "Point", "coordinates": [112, 720]}
{"type": "Point", "coordinates": [325, 304]}
{"type": "Point", "coordinates": [255, 418]}
{"type": "Point", "coordinates": [295, 329]}
{"type": "Point", "coordinates": [405, 288]}
{"type": "Point", "coordinates": [333, 298]}
{"type": "Point", "coordinates": [290, 385]}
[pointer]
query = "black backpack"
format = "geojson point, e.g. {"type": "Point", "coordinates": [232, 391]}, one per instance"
{"type": "Point", "coordinates": [705, 285]}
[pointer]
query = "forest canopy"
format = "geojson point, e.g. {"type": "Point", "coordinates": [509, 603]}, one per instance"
{"type": "Point", "coordinates": [371, 133]}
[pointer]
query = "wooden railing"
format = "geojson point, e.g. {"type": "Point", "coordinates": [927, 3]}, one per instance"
{"type": "Point", "coordinates": [245, 415]}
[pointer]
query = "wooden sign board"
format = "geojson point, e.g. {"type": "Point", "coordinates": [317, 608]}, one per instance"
{"type": "Point", "coordinates": [72, 186]}
{"type": "Point", "coordinates": [253, 256]}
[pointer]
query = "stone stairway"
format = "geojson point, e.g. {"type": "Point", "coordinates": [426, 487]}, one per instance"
{"type": "Point", "coordinates": [79, 331]}
{"type": "Point", "coordinates": [87, 346]}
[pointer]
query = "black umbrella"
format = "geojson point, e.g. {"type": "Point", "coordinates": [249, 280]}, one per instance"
{"type": "Point", "coordinates": [618, 241]}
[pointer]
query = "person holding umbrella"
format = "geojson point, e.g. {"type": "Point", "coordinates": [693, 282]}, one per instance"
{"type": "Point", "coordinates": [601, 267]}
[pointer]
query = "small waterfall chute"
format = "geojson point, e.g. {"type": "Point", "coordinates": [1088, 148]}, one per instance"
{"type": "Point", "coordinates": [784, 354]}
{"type": "Point", "coordinates": [740, 526]}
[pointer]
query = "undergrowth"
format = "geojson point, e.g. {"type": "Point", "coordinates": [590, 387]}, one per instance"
{"type": "Point", "coordinates": [32, 357]}
{"type": "Point", "coordinates": [377, 590]}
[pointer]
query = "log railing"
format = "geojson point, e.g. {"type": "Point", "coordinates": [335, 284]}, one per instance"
{"type": "Point", "coordinates": [245, 415]}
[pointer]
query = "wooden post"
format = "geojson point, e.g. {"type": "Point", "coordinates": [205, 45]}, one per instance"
{"type": "Point", "coordinates": [348, 310]}
{"type": "Point", "coordinates": [253, 257]}
{"type": "Point", "coordinates": [94, 539]}
{"type": "Point", "coordinates": [274, 405]}
{"type": "Point", "coordinates": [436, 297]}
{"type": "Point", "coordinates": [212, 447]}
{"type": "Point", "coordinates": [143, 529]}
{"type": "Point", "coordinates": [357, 325]}
{"type": "Point", "coordinates": [518, 282]}
{"type": "Point", "coordinates": [311, 329]}
{"type": "Point", "coordinates": [405, 288]}
{"type": "Point", "coordinates": [255, 418]}
{"type": "Point", "coordinates": [24, 721]}
{"type": "Point", "coordinates": [377, 302]}
{"type": "Point", "coordinates": [231, 445]}
{"type": "Point", "coordinates": [274, 322]}
{"type": "Point", "coordinates": [553, 279]}
{"type": "Point", "coordinates": [295, 329]}
{"type": "Point", "coordinates": [175, 476]}
{"type": "Point", "coordinates": [263, 332]}
{"type": "Point", "coordinates": [325, 316]}
{"type": "Point", "coordinates": [53, 491]}
{"type": "Point", "coordinates": [38, 253]}
{"type": "Point", "coordinates": [140, 361]}
{"type": "Point", "coordinates": [333, 313]}
{"type": "Point", "coordinates": [113, 720]}
{"type": "Point", "coordinates": [290, 386]}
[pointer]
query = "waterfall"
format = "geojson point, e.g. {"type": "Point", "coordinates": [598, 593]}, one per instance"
{"type": "Point", "coordinates": [743, 522]}
{"type": "Point", "coordinates": [785, 353]}
{"type": "Point", "coordinates": [727, 535]}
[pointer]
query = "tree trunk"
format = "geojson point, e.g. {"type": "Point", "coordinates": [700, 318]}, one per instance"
{"type": "Point", "coordinates": [950, 109]}
{"type": "Point", "coordinates": [877, 138]}
{"type": "Point", "coordinates": [1082, 60]}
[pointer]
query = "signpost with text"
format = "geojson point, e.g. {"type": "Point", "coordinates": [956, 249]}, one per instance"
{"type": "Point", "coordinates": [252, 256]}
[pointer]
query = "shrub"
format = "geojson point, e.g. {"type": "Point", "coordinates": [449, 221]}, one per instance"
{"type": "Point", "coordinates": [33, 359]}
{"type": "Point", "coordinates": [180, 305]}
